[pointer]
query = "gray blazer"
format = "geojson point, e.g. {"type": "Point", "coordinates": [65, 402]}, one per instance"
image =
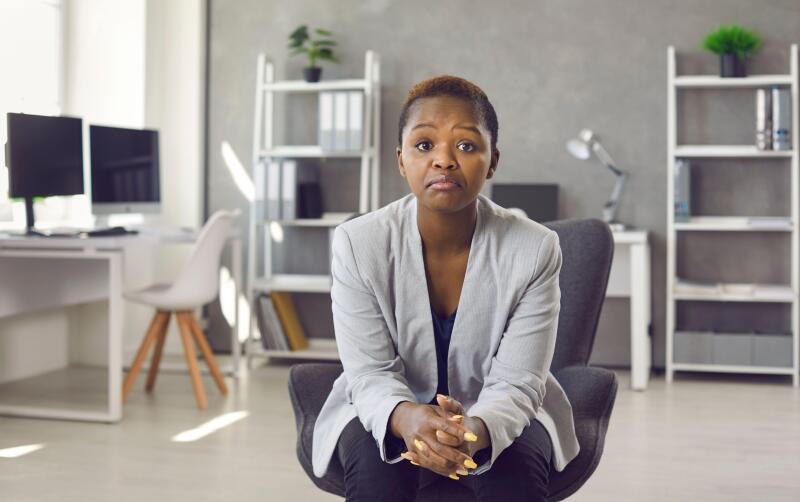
{"type": "Point", "coordinates": [502, 341]}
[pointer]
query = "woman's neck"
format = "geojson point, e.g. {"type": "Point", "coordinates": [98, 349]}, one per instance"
{"type": "Point", "coordinates": [445, 233]}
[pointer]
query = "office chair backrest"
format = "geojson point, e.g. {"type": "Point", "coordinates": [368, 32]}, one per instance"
{"type": "Point", "coordinates": [587, 248]}
{"type": "Point", "coordinates": [199, 278]}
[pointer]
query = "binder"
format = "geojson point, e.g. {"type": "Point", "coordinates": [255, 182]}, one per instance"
{"type": "Point", "coordinates": [340, 122]}
{"type": "Point", "coordinates": [289, 190]}
{"type": "Point", "coordinates": [682, 182]}
{"type": "Point", "coordinates": [284, 306]}
{"type": "Point", "coordinates": [326, 121]}
{"type": "Point", "coordinates": [763, 119]}
{"type": "Point", "coordinates": [781, 119]}
{"type": "Point", "coordinates": [273, 190]}
{"type": "Point", "coordinates": [355, 120]}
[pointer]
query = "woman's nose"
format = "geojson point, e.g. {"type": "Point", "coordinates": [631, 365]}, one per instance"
{"type": "Point", "coordinates": [445, 160]}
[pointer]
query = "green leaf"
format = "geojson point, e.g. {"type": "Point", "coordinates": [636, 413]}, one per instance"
{"type": "Point", "coordinates": [732, 39]}
{"type": "Point", "coordinates": [300, 33]}
{"type": "Point", "coordinates": [324, 33]}
{"type": "Point", "coordinates": [329, 43]}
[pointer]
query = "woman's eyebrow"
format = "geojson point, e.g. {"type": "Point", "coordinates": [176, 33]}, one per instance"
{"type": "Point", "coordinates": [424, 124]}
{"type": "Point", "coordinates": [468, 128]}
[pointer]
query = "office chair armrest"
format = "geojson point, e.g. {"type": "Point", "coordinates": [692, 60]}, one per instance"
{"type": "Point", "coordinates": [590, 390]}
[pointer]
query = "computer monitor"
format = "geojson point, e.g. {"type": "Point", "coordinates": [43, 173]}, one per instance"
{"type": "Point", "coordinates": [124, 166]}
{"type": "Point", "coordinates": [538, 200]}
{"type": "Point", "coordinates": [44, 156]}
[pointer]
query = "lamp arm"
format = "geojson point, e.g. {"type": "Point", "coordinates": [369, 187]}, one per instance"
{"type": "Point", "coordinates": [605, 158]}
{"type": "Point", "coordinates": [610, 209]}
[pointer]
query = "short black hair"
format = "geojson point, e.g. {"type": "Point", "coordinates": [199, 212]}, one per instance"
{"type": "Point", "coordinates": [457, 87]}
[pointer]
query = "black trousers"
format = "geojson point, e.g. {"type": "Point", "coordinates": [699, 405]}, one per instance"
{"type": "Point", "coordinates": [520, 473]}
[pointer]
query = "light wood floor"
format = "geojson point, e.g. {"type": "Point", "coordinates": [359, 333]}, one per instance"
{"type": "Point", "coordinates": [701, 439]}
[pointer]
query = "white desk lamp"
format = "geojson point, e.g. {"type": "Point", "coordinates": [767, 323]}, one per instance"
{"type": "Point", "coordinates": [582, 148]}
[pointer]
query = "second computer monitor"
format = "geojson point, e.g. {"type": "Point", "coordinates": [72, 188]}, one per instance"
{"type": "Point", "coordinates": [124, 167]}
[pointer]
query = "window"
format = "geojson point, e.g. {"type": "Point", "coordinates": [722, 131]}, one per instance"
{"type": "Point", "coordinates": [31, 58]}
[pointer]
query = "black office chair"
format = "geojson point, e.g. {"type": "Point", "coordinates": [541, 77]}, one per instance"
{"type": "Point", "coordinates": [587, 247]}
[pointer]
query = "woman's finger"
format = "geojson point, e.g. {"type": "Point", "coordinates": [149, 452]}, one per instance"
{"type": "Point", "coordinates": [456, 457]}
{"type": "Point", "coordinates": [448, 439]}
{"type": "Point", "coordinates": [427, 450]}
{"type": "Point", "coordinates": [450, 404]}
{"type": "Point", "coordinates": [451, 427]}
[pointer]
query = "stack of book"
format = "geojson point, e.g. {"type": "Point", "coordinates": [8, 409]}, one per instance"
{"type": "Point", "coordinates": [278, 323]}
{"type": "Point", "coordinates": [341, 121]}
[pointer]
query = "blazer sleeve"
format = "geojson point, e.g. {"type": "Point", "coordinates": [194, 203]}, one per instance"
{"type": "Point", "coordinates": [514, 389]}
{"type": "Point", "coordinates": [374, 372]}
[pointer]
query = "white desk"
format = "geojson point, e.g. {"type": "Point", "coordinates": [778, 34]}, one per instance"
{"type": "Point", "coordinates": [630, 278]}
{"type": "Point", "coordinates": [42, 273]}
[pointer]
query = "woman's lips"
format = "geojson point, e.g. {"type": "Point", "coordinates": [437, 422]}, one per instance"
{"type": "Point", "coordinates": [445, 185]}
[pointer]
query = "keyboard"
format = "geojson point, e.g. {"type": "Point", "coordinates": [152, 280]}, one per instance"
{"type": "Point", "coordinates": [109, 232]}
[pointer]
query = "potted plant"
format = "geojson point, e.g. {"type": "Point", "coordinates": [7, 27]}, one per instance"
{"type": "Point", "coordinates": [319, 49]}
{"type": "Point", "coordinates": [734, 44]}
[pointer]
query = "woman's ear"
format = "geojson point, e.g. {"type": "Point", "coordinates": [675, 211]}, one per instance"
{"type": "Point", "coordinates": [400, 163]}
{"type": "Point", "coordinates": [493, 164]}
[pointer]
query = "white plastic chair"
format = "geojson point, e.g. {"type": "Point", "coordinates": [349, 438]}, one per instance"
{"type": "Point", "coordinates": [197, 285]}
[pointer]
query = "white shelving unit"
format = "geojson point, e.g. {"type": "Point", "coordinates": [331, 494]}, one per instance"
{"type": "Point", "coordinates": [262, 231]}
{"type": "Point", "coordinates": [679, 291]}
{"type": "Point", "coordinates": [676, 289]}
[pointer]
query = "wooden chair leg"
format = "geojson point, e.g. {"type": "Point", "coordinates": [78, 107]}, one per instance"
{"type": "Point", "coordinates": [156, 361]}
{"type": "Point", "coordinates": [207, 354]}
{"type": "Point", "coordinates": [155, 325]}
{"type": "Point", "coordinates": [191, 359]}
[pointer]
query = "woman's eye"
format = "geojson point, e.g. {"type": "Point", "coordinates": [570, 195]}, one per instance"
{"type": "Point", "coordinates": [424, 146]}
{"type": "Point", "coordinates": [466, 146]}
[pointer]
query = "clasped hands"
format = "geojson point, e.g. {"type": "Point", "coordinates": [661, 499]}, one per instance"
{"type": "Point", "coordinates": [439, 438]}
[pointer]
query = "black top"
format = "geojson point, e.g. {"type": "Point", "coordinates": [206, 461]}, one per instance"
{"type": "Point", "coordinates": [442, 331]}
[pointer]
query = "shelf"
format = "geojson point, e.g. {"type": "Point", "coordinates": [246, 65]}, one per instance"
{"type": "Point", "coordinates": [713, 81]}
{"type": "Point", "coordinates": [319, 349]}
{"type": "Point", "coordinates": [325, 85]}
{"type": "Point", "coordinates": [294, 283]}
{"type": "Point", "coordinates": [721, 368]}
{"type": "Point", "coordinates": [310, 151]}
{"type": "Point", "coordinates": [734, 293]}
{"type": "Point", "coordinates": [327, 220]}
{"type": "Point", "coordinates": [728, 151]}
{"type": "Point", "coordinates": [735, 224]}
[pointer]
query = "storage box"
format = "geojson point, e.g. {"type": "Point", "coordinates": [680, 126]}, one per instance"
{"type": "Point", "coordinates": [772, 350]}
{"type": "Point", "coordinates": [692, 347]}
{"type": "Point", "coordinates": [733, 349]}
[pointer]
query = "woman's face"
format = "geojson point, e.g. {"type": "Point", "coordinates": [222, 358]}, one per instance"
{"type": "Point", "coordinates": [446, 154]}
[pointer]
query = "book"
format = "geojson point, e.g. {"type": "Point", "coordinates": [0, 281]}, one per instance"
{"type": "Point", "coordinates": [769, 222]}
{"type": "Point", "coordinates": [326, 121]}
{"type": "Point", "coordinates": [260, 186]}
{"type": "Point", "coordinates": [340, 122]}
{"type": "Point", "coordinates": [272, 335]}
{"type": "Point", "coordinates": [355, 120]}
{"type": "Point", "coordinates": [289, 189]}
{"type": "Point", "coordinates": [284, 307]}
{"type": "Point", "coordinates": [698, 288]}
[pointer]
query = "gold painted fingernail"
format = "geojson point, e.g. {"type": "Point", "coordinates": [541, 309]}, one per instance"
{"type": "Point", "coordinates": [441, 395]}
{"type": "Point", "coordinates": [406, 455]}
{"type": "Point", "coordinates": [470, 463]}
{"type": "Point", "coordinates": [414, 463]}
{"type": "Point", "coordinates": [453, 476]}
{"type": "Point", "coordinates": [456, 417]}
{"type": "Point", "coordinates": [462, 471]}
{"type": "Point", "coordinates": [470, 436]}
{"type": "Point", "coordinates": [420, 445]}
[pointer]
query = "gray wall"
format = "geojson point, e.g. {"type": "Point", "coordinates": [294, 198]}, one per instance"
{"type": "Point", "coordinates": [550, 68]}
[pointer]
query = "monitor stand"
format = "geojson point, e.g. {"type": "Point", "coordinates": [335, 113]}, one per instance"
{"type": "Point", "coordinates": [29, 218]}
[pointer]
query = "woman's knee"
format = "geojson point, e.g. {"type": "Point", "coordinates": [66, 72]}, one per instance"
{"type": "Point", "coordinates": [366, 476]}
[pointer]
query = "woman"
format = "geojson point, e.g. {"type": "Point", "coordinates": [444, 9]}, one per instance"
{"type": "Point", "coordinates": [445, 309]}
